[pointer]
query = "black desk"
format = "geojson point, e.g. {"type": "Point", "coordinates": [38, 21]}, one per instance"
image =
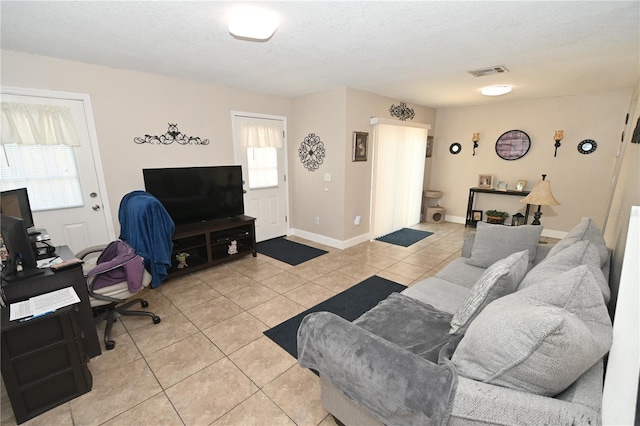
{"type": "Point", "coordinates": [22, 289]}
{"type": "Point", "coordinates": [44, 363]}
{"type": "Point", "coordinates": [474, 191]}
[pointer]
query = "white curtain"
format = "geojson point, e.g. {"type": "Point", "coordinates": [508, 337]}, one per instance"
{"type": "Point", "coordinates": [398, 172]}
{"type": "Point", "coordinates": [256, 133]}
{"type": "Point", "coordinates": [28, 124]}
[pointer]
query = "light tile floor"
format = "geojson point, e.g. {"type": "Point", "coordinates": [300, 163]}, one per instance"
{"type": "Point", "coordinates": [208, 363]}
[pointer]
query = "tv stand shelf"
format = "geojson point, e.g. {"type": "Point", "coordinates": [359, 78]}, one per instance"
{"type": "Point", "coordinates": [210, 243]}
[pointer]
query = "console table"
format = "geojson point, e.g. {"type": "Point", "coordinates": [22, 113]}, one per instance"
{"type": "Point", "coordinates": [472, 193]}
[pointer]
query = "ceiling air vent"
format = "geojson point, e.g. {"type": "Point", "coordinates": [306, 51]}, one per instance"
{"type": "Point", "coordinates": [497, 69]}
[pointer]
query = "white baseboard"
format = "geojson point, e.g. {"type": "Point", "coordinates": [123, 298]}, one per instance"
{"type": "Point", "coordinates": [331, 242]}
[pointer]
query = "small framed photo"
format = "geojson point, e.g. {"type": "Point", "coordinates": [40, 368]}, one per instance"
{"type": "Point", "coordinates": [429, 146]}
{"type": "Point", "coordinates": [501, 186]}
{"type": "Point", "coordinates": [485, 181]}
{"type": "Point", "coordinates": [476, 216]}
{"type": "Point", "coordinates": [360, 140]}
{"type": "Point", "coordinates": [521, 185]}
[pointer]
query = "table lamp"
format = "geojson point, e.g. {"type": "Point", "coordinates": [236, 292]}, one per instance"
{"type": "Point", "coordinates": [542, 196]}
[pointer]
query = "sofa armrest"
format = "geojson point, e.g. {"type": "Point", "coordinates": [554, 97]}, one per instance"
{"type": "Point", "coordinates": [481, 403]}
{"type": "Point", "coordinates": [394, 384]}
{"type": "Point", "coordinates": [467, 245]}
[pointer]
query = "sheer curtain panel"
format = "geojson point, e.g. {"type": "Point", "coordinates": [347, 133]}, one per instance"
{"type": "Point", "coordinates": [260, 133]}
{"type": "Point", "coordinates": [30, 124]}
{"type": "Point", "coordinates": [398, 173]}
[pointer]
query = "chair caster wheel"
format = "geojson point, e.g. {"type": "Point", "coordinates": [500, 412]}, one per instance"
{"type": "Point", "coordinates": [144, 304]}
{"type": "Point", "coordinates": [156, 320]}
{"type": "Point", "coordinates": [109, 345]}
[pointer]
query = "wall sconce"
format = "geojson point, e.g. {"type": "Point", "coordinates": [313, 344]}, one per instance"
{"type": "Point", "coordinates": [475, 138]}
{"type": "Point", "coordinates": [557, 137]}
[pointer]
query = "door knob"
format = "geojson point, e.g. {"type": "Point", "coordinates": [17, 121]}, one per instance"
{"type": "Point", "coordinates": [95, 207]}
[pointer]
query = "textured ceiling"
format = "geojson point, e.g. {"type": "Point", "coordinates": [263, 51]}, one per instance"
{"type": "Point", "coordinates": [416, 51]}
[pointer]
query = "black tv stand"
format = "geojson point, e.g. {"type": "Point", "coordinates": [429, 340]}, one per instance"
{"type": "Point", "coordinates": [212, 242]}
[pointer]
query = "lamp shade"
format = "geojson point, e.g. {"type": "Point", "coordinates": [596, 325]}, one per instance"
{"type": "Point", "coordinates": [541, 195]}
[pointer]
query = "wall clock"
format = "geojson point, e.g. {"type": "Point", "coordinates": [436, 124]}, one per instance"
{"type": "Point", "coordinates": [587, 146]}
{"type": "Point", "coordinates": [455, 148]}
{"type": "Point", "coordinates": [513, 144]}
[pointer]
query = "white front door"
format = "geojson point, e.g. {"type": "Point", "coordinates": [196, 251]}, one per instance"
{"type": "Point", "coordinates": [89, 224]}
{"type": "Point", "coordinates": [268, 204]}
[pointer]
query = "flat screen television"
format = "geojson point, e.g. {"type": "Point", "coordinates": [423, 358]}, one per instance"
{"type": "Point", "coordinates": [197, 194]}
{"type": "Point", "coordinates": [15, 202]}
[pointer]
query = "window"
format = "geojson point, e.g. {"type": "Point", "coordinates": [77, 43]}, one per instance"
{"type": "Point", "coordinates": [48, 172]}
{"type": "Point", "coordinates": [263, 167]}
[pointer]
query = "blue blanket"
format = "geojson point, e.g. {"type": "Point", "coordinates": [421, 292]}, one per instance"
{"type": "Point", "coordinates": [148, 228]}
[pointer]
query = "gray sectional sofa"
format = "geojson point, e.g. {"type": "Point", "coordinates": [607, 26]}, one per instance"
{"type": "Point", "coordinates": [513, 332]}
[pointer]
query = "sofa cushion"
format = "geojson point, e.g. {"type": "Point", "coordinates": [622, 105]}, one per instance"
{"type": "Point", "coordinates": [460, 273]}
{"type": "Point", "coordinates": [586, 230]}
{"type": "Point", "coordinates": [495, 242]}
{"type": "Point", "coordinates": [539, 339]}
{"type": "Point", "coordinates": [438, 293]}
{"type": "Point", "coordinates": [499, 279]}
{"type": "Point", "coordinates": [579, 253]}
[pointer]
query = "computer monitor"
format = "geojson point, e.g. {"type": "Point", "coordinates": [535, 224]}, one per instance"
{"type": "Point", "coordinates": [15, 202]}
{"type": "Point", "coordinates": [21, 251]}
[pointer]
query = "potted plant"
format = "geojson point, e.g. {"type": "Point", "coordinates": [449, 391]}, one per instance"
{"type": "Point", "coordinates": [495, 216]}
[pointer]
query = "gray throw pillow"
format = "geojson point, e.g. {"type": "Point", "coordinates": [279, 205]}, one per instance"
{"type": "Point", "coordinates": [499, 279]}
{"type": "Point", "coordinates": [495, 242]}
{"type": "Point", "coordinates": [579, 253]}
{"type": "Point", "coordinates": [586, 230]}
{"type": "Point", "coordinates": [540, 339]}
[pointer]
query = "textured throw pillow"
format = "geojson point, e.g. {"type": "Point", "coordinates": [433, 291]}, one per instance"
{"type": "Point", "coordinates": [586, 230]}
{"type": "Point", "coordinates": [579, 253]}
{"type": "Point", "coordinates": [539, 339]}
{"type": "Point", "coordinates": [495, 242]}
{"type": "Point", "coordinates": [499, 279]}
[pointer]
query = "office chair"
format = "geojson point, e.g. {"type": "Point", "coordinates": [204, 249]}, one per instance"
{"type": "Point", "coordinates": [118, 275]}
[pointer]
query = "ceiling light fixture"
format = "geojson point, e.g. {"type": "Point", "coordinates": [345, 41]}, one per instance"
{"type": "Point", "coordinates": [495, 90]}
{"type": "Point", "coordinates": [253, 24]}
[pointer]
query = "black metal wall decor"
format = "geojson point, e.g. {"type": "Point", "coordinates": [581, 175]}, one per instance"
{"type": "Point", "coordinates": [172, 135]}
{"type": "Point", "coordinates": [311, 152]}
{"type": "Point", "coordinates": [587, 146]}
{"type": "Point", "coordinates": [402, 111]}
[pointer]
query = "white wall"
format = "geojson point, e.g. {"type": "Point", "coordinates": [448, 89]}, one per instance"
{"type": "Point", "coordinates": [127, 104]}
{"type": "Point", "coordinates": [579, 182]}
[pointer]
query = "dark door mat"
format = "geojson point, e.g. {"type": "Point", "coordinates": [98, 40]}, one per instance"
{"type": "Point", "coordinates": [404, 237]}
{"type": "Point", "coordinates": [350, 304]}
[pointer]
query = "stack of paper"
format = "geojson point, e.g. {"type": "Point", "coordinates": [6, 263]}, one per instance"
{"type": "Point", "coordinates": [43, 304]}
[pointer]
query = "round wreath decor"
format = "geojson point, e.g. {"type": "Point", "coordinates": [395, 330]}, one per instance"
{"type": "Point", "coordinates": [311, 152]}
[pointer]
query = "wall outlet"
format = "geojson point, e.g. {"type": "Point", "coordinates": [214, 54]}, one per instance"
{"type": "Point", "coordinates": [317, 220]}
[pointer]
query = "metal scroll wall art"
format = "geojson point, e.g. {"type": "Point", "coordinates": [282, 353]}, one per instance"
{"type": "Point", "coordinates": [311, 152]}
{"type": "Point", "coordinates": [172, 135]}
{"type": "Point", "coordinates": [402, 111]}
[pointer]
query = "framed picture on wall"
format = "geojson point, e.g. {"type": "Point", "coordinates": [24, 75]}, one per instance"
{"type": "Point", "coordinates": [360, 140]}
{"type": "Point", "coordinates": [429, 146]}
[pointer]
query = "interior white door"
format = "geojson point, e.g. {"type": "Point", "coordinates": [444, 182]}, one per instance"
{"type": "Point", "coordinates": [269, 205]}
{"type": "Point", "coordinates": [89, 224]}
